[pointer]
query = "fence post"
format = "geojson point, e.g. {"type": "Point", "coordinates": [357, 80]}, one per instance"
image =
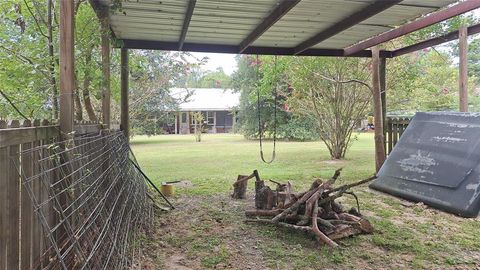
{"type": "Point", "coordinates": [3, 201]}
{"type": "Point", "coordinates": [13, 190]}
{"type": "Point", "coordinates": [389, 134]}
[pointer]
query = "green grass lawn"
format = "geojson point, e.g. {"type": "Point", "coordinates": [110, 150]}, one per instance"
{"type": "Point", "coordinates": [215, 162]}
{"type": "Point", "coordinates": [207, 230]}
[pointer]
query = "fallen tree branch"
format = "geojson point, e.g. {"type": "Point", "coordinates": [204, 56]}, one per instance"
{"type": "Point", "coordinates": [320, 236]}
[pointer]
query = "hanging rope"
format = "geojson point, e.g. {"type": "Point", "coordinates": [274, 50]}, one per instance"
{"type": "Point", "coordinates": [260, 129]}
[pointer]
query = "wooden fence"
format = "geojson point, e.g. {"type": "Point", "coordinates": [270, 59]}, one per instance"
{"type": "Point", "coordinates": [22, 240]}
{"type": "Point", "coordinates": [394, 128]}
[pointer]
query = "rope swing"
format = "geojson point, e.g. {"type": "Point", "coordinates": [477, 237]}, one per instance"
{"type": "Point", "coordinates": [260, 129]}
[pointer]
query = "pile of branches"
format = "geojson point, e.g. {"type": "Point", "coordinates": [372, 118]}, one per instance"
{"type": "Point", "coordinates": [314, 211]}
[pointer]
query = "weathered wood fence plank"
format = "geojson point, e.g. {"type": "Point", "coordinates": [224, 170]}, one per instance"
{"type": "Point", "coordinates": [4, 166]}
{"type": "Point", "coordinates": [26, 206]}
{"type": "Point", "coordinates": [22, 241]}
{"type": "Point", "coordinates": [13, 204]}
{"type": "Point", "coordinates": [394, 130]}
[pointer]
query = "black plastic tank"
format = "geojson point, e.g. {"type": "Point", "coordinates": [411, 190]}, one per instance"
{"type": "Point", "coordinates": [436, 161]}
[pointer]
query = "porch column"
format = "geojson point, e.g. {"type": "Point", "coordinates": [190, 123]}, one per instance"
{"type": "Point", "coordinates": [105, 71]}
{"type": "Point", "coordinates": [378, 110]}
{"type": "Point", "coordinates": [176, 125]}
{"type": "Point", "coordinates": [67, 67]}
{"type": "Point", "coordinates": [124, 123]}
{"type": "Point", "coordinates": [463, 68]}
{"type": "Point", "coordinates": [214, 122]}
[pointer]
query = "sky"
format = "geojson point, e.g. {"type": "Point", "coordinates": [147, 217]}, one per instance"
{"type": "Point", "coordinates": [224, 60]}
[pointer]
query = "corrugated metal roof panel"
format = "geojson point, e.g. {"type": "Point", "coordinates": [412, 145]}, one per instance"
{"type": "Point", "coordinates": [138, 17]}
{"type": "Point", "coordinates": [312, 15]}
{"type": "Point", "coordinates": [215, 19]}
{"type": "Point", "coordinates": [228, 22]}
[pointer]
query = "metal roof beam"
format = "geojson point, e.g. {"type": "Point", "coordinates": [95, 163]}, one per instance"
{"type": "Point", "coordinates": [216, 48]}
{"type": "Point", "coordinates": [355, 18]}
{"type": "Point", "coordinates": [433, 18]}
{"type": "Point", "coordinates": [474, 29]}
{"type": "Point", "coordinates": [186, 23]}
{"type": "Point", "coordinates": [283, 8]}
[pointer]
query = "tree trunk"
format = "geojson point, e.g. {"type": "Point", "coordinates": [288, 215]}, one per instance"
{"type": "Point", "coordinates": [51, 67]}
{"type": "Point", "coordinates": [78, 104]}
{"type": "Point", "coordinates": [87, 79]}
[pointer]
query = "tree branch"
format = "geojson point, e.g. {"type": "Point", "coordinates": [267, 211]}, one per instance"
{"type": "Point", "coordinates": [12, 104]}
{"type": "Point", "coordinates": [35, 19]}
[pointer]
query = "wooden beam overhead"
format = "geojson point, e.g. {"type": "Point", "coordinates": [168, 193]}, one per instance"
{"type": "Point", "coordinates": [347, 22]}
{"type": "Point", "coordinates": [474, 29]}
{"type": "Point", "coordinates": [283, 8]}
{"type": "Point", "coordinates": [431, 19]}
{"type": "Point", "coordinates": [216, 48]}
{"type": "Point", "coordinates": [186, 23]}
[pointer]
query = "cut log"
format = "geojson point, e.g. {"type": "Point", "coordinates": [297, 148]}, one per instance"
{"type": "Point", "coordinates": [265, 198]}
{"type": "Point", "coordinates": [344, 231]}
{"type": "Point", "coordinates": [262, 213]}
{"type": "Point", "coordinates": [282, 224]}
{"type": "Point", "coordinates": [307, 195]}
{"type": "Point", "coordinates": [240, 187]}
{"type": "Point", "coordinates": [314, 211]}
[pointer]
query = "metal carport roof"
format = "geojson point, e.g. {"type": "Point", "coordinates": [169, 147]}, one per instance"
{"type": "Point", "coordinates": [288, 27]}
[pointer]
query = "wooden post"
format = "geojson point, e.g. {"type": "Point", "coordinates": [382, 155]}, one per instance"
{"type": "Point", "coordinates": [463, 68]}
{"type": "Point", "coordinates": [377, 104]}
{"type": "Point", "coordinates": [383, 96]}
{"type": "Point", "coordinates": [105, 71]}
{"type": "Point", "coordinates": [67, 78]}
{"type": "Point", "coordinates": [124, 125]}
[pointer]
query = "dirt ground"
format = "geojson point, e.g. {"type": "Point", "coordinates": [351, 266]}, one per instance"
{"type": "Point", "coordinates": [208, 232]}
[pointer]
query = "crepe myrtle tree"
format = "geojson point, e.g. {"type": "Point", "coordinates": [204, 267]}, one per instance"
{"type": "Point", "coordinates": [333, 92]}
{"type": "Point", "coordinates": [198, 126]}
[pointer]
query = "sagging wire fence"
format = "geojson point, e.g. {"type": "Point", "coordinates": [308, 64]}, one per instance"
{"type": "Point", "coordinates": [90, 199]}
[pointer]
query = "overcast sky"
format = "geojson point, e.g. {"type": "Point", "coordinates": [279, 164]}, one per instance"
{"type": "Point", "coordinates": [224, 60]}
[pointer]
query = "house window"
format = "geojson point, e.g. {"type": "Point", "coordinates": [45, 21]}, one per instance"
{"type": "Point", "coordinates": [184, 118]}
{"type": "Point", "coordinates": [210, 118]}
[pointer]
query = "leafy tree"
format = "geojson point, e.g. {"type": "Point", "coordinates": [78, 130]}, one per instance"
{"type": "Point", "coordinates": [335, 93]}
{"type": "Point", "coordinates": [152, 74]}
{"type": "Point", "coordinates": [198, 78]}
{"type": "Point", "coordinates": [215, 79]}
{"type": "Point", "coordinates": [262, 77]}
{"type": "Point", "coordinates": [198, 119]}
{"type": "Point", "coordinates": [29, 71]}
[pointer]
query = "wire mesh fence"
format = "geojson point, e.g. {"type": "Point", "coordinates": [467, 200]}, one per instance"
{"type": "Point", "coordinates": [90, 199]}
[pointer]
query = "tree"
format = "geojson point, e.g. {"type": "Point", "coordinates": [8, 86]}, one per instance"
{"type": "Point", "coordinates": [262, 77]}
{"type": "Point", "coordinates": [334, 92]}
{"type": "Point", "coordinates": [198, 127]}
{"type": "Point", "coordinates": [152, 74]}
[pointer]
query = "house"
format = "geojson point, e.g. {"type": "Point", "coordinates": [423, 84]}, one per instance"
{"type": "Point", "coordinates": [217, 105]}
